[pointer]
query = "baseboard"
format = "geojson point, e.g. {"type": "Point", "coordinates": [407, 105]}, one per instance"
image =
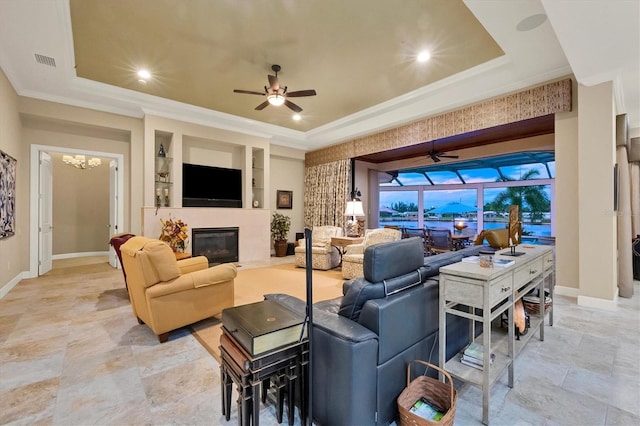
{"type": "Point", "coordinates": [595, 302]}
{"type": "Point", "coordinates": [565, 291]}
{"type": "Point", "coordinates": [11, 284]}
{"type": "Point", "coordinates": [81, 254]}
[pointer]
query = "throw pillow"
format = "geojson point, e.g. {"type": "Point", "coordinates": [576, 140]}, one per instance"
{"type": "Point", "coordinates": [163, 260]}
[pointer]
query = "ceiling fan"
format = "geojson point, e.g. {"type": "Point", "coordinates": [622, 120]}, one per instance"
{"type": "Point", "coordinates": [437, 155]}
{"type": "Point", "coordinates": [276, 94]}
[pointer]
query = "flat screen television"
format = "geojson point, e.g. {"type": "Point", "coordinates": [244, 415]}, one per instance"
{"type": "Point", "coordinates": [207, 186]}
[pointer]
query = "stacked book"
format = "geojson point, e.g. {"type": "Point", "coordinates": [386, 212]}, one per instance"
{"type": "Point", "coordinates": [473, 356]}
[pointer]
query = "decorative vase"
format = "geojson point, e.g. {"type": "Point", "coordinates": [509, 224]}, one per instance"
{"type": "Point", "coordinates": [281, 248]}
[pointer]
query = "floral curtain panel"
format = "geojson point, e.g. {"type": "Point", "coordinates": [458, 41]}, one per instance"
{"type": "Point", "coordinates": [326, 191]}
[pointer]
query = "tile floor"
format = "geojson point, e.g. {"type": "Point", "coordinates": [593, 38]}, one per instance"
{"type": "Point", "coordinates": [71, 353]}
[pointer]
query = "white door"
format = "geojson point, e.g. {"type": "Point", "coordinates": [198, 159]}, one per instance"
{"type": "Point", "coordinates": [113, 209]}
{"type": "Point", "coordinates": [45, 206]}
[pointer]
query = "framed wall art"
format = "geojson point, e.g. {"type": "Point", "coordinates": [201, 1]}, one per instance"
{"type": "Point", "coordinates": [7, 195]}
{"type": "Point", "coordinates": [284, 199]}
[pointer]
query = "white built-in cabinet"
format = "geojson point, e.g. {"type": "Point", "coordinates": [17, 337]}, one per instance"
{"type": "Point", "coordinates": [164, 172]}
{"type": "Point", "coordinates": [257, 178]}
{"type": "Point", "coordinates": [170, 148]}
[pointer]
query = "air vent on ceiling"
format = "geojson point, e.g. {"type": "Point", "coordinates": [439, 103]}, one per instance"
{"type": "Point", "coordinates": [45, 60]}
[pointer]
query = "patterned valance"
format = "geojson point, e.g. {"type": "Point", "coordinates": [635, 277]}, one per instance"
{"type": "Point", "coordinates": [539, 101]}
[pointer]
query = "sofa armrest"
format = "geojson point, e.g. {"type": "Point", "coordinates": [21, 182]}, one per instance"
{"type": "Point", "coordinates": [354, 249]}
{"type": "Point", "coordinates": [206, 277]}
{"type": "Point", "coordinates": [193, 264]}
{"type": "Point", "coordinates": [336, 325]}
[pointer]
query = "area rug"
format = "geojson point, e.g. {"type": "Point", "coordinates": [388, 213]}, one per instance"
{"type": "Point", "coordinates": [252, 284]}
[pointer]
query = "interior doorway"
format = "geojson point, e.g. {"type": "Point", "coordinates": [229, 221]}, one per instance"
{"type": "Point", "coordinates": [40, 195]}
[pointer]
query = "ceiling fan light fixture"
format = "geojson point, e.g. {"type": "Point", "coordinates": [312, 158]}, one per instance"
{"type": "Point", "coordinates": [275, 99]}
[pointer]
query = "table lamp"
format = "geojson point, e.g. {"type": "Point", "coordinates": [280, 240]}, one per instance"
{"type": "Point", "coordinates": [354, 209]}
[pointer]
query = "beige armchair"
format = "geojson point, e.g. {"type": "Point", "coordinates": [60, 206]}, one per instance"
{"type": "Point", "coordinates": [324, 256]}
{"type": "Point", "coordinates": [353, 257]}
{"type": "Point", "coordinates": [167, 294]}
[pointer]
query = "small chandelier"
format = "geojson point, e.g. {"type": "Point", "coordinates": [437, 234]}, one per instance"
{"type": "Point", "coordinates": [275, 99]}
{"type": "Point", "coordinates": [80, 162]}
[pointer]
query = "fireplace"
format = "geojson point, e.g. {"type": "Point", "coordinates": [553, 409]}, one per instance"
{"type": "Point", "coordinates": [219, 245]}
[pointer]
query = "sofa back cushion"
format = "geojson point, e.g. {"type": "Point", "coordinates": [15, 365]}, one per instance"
{"type": "Point", "coordinates": [393, 259]}
{"type": "Point", "coordinates": [389, 268]}
{"type": "Point", "coordinates": [321, 235]}
{"type": "Point", "coordinates": [154, 258]}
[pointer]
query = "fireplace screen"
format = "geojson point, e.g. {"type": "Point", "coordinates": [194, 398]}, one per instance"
{"type": "Point", "coordinates": [219, 245]}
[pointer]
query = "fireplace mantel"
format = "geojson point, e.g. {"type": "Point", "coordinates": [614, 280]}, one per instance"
{"type": "Point", "coordinates": [253, 224]}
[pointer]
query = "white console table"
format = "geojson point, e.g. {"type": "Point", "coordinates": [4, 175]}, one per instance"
{"type": "Point", "coordinates": [467, 287]}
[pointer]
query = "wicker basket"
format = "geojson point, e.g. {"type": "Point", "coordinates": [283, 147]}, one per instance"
{"type": "Point", "coordinates": [441, 394]}
{"type": "Point", "coordinates": [532, 304]}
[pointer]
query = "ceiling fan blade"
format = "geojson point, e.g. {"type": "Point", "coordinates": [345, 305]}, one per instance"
{"type": "Point", "coordinates": [300, 93]}
{"type": "Point", "coordinates": [262, 106]}
{"type": "Point", "coordinates": [248, 92]}
{"type": "Point", "coordinates": [273, 82]}
{"type": "Point", "coordinates": [292, 106]}
{"type": "Point", "coordinates": [448, 156]}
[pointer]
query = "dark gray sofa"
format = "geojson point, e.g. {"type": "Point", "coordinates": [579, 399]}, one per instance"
{"type": "Point", "coordinates": [363, 341]}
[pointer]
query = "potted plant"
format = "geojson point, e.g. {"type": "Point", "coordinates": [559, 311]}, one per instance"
{"type": "Point", "coordinates": [280, 225]}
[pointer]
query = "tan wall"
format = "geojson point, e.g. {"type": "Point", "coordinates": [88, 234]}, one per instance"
{"type": "Point", "coordinates": [14, 251]}
{"type": "Point", "coordinates": [566, 201]}
{"type": "Point", "coordinates": [49, 123]}
{"type": "Point", "coordinates": [71, 186]}
{"type": "Point", "coordinates": [597, 224]}
{"type": "Point", "coordinates": [287, 174]}
{"type": "Point", "coordinates": [80, 207]}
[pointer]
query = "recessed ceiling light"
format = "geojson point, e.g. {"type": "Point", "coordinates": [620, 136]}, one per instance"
{"type": "Point", "coordinates": [144, 74]}
{"type": "Point", "coordinates": [424, 56]}
{"type": "Point", "coordinates": [297, 117]}
{"type": "Point", "coordinates": [531, 22]}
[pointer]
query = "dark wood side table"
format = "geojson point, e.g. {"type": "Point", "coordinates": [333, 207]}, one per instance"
{"type": "Point", "coordinates": [181, 255]}
{"type": "Point", "coordinates": [286, 365]}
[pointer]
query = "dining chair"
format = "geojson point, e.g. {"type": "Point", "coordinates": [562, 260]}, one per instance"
{"type": "Point", "coordinates": [439, 240]}
{"type": "Point", "coordinates": [417, 232]}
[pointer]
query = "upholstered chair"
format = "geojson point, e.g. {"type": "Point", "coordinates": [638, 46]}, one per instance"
{"type": "Point", "coordinates": [324, 256]}
{"type": "Point", "coordinates": [167, 294]}
{"type": "Point", "coordinates": [353, 257]}
{"type": "Point", "coordinates": [116, 241]}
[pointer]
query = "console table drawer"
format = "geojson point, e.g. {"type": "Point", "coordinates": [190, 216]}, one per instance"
{"type": "Point", "coordinates": [547, 261]}
{"type": "Point", "coordinates": [471, 292]}
{"type": "Point", "coordinates": [527, 273]}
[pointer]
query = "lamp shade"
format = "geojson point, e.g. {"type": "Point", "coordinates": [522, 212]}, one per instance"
{"type": "Point", "coordinates": [354, 208]}
{"type": "Point", "coordinates": [275, 99]}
